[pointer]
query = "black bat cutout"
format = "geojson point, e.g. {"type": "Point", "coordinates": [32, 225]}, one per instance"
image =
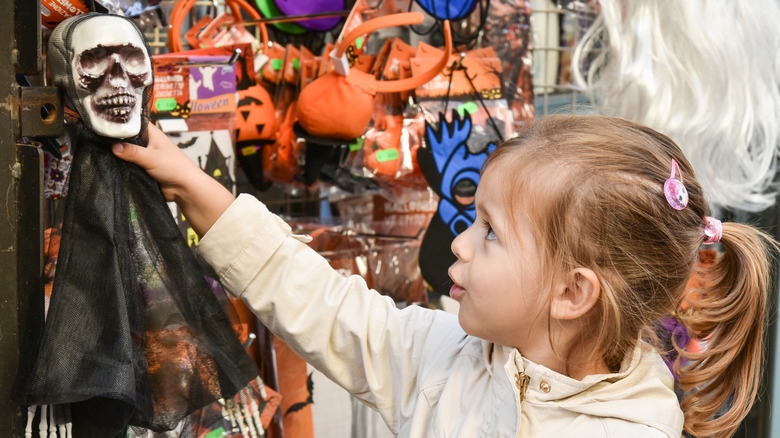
{"type": "Point", "coordinates": [309, 400]}
{"type": "Point", "coordinates": [187, 143]}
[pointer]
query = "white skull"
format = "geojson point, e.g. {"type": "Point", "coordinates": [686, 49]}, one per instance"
{"type": "Point", "coordinates": [111, 68]}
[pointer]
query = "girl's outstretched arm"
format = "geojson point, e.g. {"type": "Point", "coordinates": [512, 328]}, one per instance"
{"type": "Point", "coordinates": [201, 198]}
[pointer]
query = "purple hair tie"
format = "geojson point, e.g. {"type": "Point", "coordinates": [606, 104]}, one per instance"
{"type": "Point", "coordinates": [713, 230]}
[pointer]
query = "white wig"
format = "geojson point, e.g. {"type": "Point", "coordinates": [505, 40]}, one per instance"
{"type": "Point", "coordinates": [704, 72]}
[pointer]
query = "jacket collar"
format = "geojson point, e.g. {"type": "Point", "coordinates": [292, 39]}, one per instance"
{"type": "Point", "coordinates": [642, 391]}
{"type": "Point", "coordinates": [509, 361]}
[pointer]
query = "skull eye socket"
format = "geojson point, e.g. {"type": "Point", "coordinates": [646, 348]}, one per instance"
{"type": "Point", "coordinates": [134, 60]}
{"type": "Point", "coordinates": [94, 61]}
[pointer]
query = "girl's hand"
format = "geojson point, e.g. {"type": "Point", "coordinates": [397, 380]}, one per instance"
{"type": "Point", "coordinates": [201, 198]}
{"type": "Point", "coordinates": [176, 173]}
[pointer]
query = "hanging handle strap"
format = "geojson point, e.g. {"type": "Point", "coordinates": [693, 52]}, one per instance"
{"type": "Point", "coordinates": [174, 27]}
{"type": "Point", "coordinates": [237, 5]}
{"type": "Point", "coordinates": [402, 19]}
{"type": "Point", "coordinates": [183, 7]}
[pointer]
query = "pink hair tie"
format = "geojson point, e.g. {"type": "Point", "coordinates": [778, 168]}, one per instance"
{"type": "Point", "coordinates": [675, 191]}
{"type": "Point", "coordinates": [713, 230]}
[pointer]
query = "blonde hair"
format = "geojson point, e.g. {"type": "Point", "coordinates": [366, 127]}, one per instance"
{"type": "Point", "coordinates": [593, 189]}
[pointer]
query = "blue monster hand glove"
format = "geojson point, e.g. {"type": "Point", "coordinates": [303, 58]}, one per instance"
{"type": "Point", "coordinates": [453, 172]}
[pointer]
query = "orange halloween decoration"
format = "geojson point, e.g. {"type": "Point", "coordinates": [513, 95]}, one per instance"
{"type": "Point", "coordinates": [381, 150]}
{"type": "Point", "coordinates": [51, 245]}
{"type": "Point", "coordinates": [340, 103]}
{"type": "Point", "coordinates": [280, 159]}
{"type": "Point", "coordinates": [256, 116]}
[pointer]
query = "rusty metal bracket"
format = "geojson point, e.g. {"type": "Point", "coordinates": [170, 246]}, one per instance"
{"type": "Point", "coordinates": [42, 111]}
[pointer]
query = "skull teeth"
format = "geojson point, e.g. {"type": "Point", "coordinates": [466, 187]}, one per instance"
{"type": "Point", "coordinates": [116, 101]}
{"type": "Point", "coordinates": [118, 111]}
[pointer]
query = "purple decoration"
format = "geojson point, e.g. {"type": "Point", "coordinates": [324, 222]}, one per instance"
{"type": "Point", "coordinates": [670, 332]}
{"type": "Point", "coordinates": [297, 7]}
{"type": "Point", "coordinates": [212, 81]}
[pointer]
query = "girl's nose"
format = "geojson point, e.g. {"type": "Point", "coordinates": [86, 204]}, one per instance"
{"type": "Point", "coordinates": [458, 245]}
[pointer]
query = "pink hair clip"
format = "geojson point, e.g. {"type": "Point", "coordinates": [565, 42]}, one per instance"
{"type": "Point", "coordinates": [675, 191]}
{"type": "Point", "coordinates": [713, 230]}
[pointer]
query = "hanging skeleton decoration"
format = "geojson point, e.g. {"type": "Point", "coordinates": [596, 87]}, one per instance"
{"type": "Point", "coordinates": [134, 335]}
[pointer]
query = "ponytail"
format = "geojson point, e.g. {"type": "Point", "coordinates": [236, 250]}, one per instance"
{"type": "Point", "coordinates": [721, 381]}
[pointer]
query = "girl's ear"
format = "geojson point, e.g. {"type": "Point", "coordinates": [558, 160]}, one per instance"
{"type": "Point", "coordinates": [576, 296]}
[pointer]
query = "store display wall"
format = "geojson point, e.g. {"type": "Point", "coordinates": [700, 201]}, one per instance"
{"type": "Point", "coordinates": [556, 29]}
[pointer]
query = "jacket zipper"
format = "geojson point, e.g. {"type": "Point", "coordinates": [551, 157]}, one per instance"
{"type": "Point", "coordinates": [521, 381]}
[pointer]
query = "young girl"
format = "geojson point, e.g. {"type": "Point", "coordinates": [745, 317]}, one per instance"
{"type": "Point", "coordinates": [585, 238]}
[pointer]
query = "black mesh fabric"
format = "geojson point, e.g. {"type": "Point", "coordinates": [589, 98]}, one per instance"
{"type": "Point", "coordinates": [134, 334]}
{"type": "Point", "coordinates": [133, 327]}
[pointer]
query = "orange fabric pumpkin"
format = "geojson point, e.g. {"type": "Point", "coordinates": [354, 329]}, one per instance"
{"type": "Point", "coordinates": [255, 115]}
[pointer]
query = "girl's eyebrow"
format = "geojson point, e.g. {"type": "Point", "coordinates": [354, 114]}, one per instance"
{"type": "Point", "coordinates": [482, 211]}
{"type": "Point", "coordinates": [480, 208]}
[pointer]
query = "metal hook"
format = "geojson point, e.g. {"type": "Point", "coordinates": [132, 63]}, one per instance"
{"type": "Point", "coordinates": [232, 60]}
{"type": "Point", "coordinates": [249, 339]}
{"type": "Point", "coordinates": [352, 233]}
{"type": "Point", "coordinates": [288, 18]}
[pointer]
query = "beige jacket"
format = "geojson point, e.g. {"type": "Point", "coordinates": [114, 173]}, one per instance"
{"type": "Point", "coordinates": [416, 366]}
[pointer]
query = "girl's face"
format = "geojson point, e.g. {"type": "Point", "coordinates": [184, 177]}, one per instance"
{"type": "Point", "coordinates": [497, 279]}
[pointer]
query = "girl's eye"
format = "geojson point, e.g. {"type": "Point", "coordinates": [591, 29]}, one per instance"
{"type": "Point", "coordinates": [489, 233]}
